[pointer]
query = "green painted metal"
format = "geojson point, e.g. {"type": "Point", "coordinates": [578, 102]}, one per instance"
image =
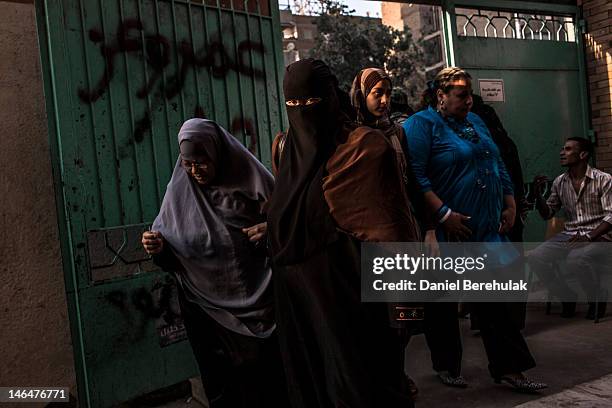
{"type": "Point", "coordinates": [545, 89]}
{"type": "Point", "coordinates": [449, 28]}
{"type": "Point", "coordinates": [520, 6]}
{"type": "Point", "coordinates": [120, 77]}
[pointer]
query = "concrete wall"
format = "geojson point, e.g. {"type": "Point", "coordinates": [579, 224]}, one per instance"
{"type": "Point", "coordinates": [35, 344]}
{"type": "Point", "coordinates": [598, 16]}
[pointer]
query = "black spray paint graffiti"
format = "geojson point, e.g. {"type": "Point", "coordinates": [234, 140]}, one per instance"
{"type": "Point", "coordinates": [157, 49]}
{"type": "Point", "coordinates": [160, 306]}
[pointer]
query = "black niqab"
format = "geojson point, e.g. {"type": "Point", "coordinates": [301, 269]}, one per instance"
{"type": "Point", "coordinates": [298, 218]}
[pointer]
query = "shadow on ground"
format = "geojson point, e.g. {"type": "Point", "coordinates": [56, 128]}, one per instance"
{"type": "Point", "coordinates": [568, 352]}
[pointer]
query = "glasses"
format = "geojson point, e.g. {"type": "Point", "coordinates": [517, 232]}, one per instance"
{"type": "Point", "coordinates": [303, 102]}
{"type": "Point", "coordinates": [189, 164]}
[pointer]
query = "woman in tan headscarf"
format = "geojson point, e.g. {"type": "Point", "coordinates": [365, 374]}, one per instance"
{"type": "Point", "coordinates": [367, 184]}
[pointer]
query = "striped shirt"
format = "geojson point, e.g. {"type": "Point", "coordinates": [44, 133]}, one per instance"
{"type": "Point", "coordinates": [586, 210]}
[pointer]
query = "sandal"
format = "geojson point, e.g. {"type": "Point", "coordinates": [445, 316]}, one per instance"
{"type": "Point", "coordinates": [452, 381]}
{"type": "Point", "coordinates": [522, 384]}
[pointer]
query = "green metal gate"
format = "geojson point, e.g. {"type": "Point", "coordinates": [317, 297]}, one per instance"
{"type": "Point", "coordinates": [534, 51]}
{"type": "Point", "coordinates": [120, 77]}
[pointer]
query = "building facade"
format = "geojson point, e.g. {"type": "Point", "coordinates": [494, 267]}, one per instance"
{"type": "Point", "coordinates": [425, 23]}
{"type": "Point", "coordinates": [300, 31]}
{"type": "Point", "coordinates": [598, 41]}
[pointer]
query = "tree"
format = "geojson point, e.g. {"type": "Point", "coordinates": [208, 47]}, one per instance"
{"type": "Point", "coordinates": [348, 43]}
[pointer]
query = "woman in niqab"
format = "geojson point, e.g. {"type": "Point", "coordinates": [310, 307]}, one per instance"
{"type": "Point", "coordinates": [337, 351]}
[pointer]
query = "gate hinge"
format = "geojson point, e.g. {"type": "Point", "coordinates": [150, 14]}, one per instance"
{"type": "Point", "coordinates": [591, 135]}
{"type": "Point", "coordinates": [582, 26]}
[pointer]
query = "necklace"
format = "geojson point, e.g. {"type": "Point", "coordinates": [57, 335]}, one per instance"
{"type": "Point", "coordinates": [464, 130]}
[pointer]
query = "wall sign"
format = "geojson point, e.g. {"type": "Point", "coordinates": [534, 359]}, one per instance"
{"type": "Point", "coordinates": [492, 90]}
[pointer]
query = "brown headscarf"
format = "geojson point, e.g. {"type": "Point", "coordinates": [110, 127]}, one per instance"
{"type": "Point", "coordinates": [363, 83]}
{"type": "Point", "coordinates": [365, 186]}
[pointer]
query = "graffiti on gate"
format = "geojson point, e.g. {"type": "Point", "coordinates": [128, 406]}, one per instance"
{"type": "Point", "coordinates": [156, 50]}
{"type": "Point", "coordinates": [159, 305]}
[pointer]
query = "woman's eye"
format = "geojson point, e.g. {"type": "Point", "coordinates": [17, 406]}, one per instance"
{"type": "Point", "coordinates": [312, 101]}
{"type": "Point", "coordinates": [292, 102]}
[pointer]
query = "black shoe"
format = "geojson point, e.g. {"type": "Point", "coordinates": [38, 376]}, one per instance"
{"type": "Point", "coordinates": [522, 384]}
{"type": "Point", "coordinates": [601, 310]}
{"type": "Point", "coordinates": [568, 309]}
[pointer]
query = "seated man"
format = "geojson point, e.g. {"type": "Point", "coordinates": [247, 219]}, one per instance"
{"type": "Point", "coordinates": [585, 194]}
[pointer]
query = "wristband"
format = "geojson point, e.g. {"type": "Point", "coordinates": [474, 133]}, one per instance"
{"type": "Point", "coordinates": [445, 217]}
{"type": "Point", "coordinates": [442, 211]}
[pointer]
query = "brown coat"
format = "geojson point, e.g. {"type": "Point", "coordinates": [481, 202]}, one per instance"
{"type": "Point", "coordinates": [365, 192]}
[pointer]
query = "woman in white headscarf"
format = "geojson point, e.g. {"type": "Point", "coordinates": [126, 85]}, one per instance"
{"type": "Point", "coordinates": [208, 232]}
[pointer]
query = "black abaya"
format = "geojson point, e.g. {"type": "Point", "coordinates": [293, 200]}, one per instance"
{"type": "Point", "coordinates": [337, 351]}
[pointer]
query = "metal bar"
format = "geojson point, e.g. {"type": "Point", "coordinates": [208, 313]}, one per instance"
{"type": "Point", "coordinates": [227, 96]}
{"type": "Point", "coordinates": [131, 113]}
{"type": "Point", "coordinates": [486, 28]}
{"type": "Point", "coordinates": [450, 30]}
{"type": "Point", "coordinates": [101, 211]}
{"type": "Point", "coordinates": [238, 74]}
{"type": "Point", "coordinates": [113, 130]}
{"type": "Point", "coordinates": [278, 63]}
{"type": "Point", "coordinates": [53, 120]}
{"type": "Point", "coordinates": [263, 58]}
{"type": "Point", "coordinates": [506, 26]}
{"type": "Point", "coordinates": [178, 60]}
{"type": "Point", "coordinates": [267, 94]}
{"type": "Point", "coordinates": [149, 110]}
{"type": "Point", "coordinates": [254, 79]}
{"type": "Point", "coordinates": [163, 76]}
{"type": "Point", "coordinates": [513, 5]}
{"type": "Point", "coordinates": [193, 49]}
{"type": "Point", "coordinates": [210, 76]}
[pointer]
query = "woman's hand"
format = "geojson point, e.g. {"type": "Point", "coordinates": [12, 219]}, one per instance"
{"type": "Point", "coordinates": [256, 232]}
{"type": "Point", "coordinates": [508, 217]}
{"type": "Point", "coordinates": [431, 243]}
{"type": "Point", "coordinates": [153, 242]}
{"type": "Point", "coordinates": [455, 228]}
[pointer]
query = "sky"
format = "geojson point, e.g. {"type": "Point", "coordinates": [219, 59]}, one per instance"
{"type": "Point", "coordinates": [361, 7]}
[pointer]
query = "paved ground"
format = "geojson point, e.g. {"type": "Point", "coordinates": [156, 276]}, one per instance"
{"type": "Point", "coordinates": [568, 352]}
{"type": "Point", "coordinates": [594, 394]}
{"type": "Point", "coordinates": [574, 357]}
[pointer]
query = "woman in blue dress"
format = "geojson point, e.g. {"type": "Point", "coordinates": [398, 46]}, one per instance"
{"type": "Point", "coordinates": [465, 184]}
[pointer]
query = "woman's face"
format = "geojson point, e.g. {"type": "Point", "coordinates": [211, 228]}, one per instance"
{"type": "Point", "coordinates": [202, 171]}
{"type": "Point", "coordinates": [196, 163]}
{"type": "Point", "coordinates": [458, 101]}
{"type": "Point", "coordinates": [379, 98]}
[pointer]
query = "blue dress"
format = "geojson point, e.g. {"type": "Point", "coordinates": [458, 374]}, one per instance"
{"type": "Point", "coordinates": [469, 176]}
